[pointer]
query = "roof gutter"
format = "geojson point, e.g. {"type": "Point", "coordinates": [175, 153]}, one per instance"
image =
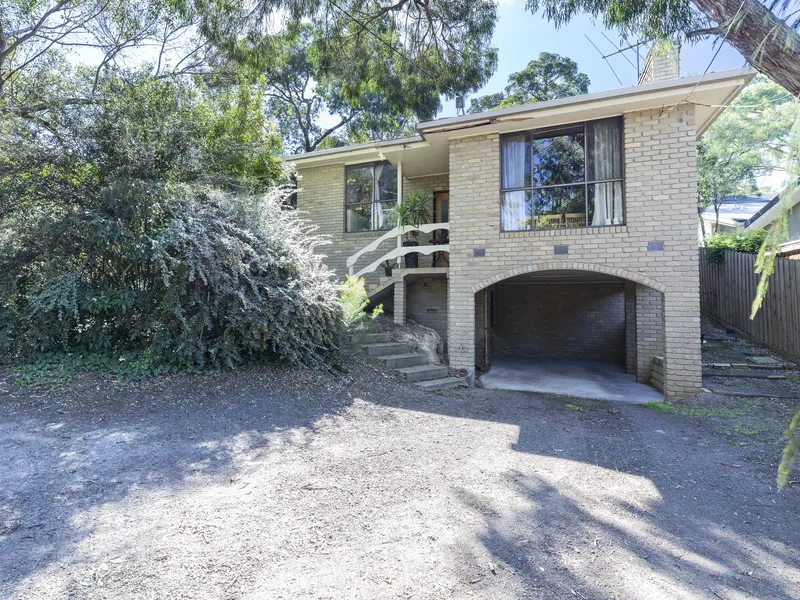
{"type": "Point", "coordinates": [652, 91]}
{"type": "Point", "coordinates": [369, 148]}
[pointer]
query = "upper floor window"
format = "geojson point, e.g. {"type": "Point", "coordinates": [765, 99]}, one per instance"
{"type": "Point", "coordinates": [562, 177]}
{"type": "Point", "coordinates": [370, 196]}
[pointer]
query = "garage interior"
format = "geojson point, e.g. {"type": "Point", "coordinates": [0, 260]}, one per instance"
{"type": "Point", "coordinates": [563, 332]}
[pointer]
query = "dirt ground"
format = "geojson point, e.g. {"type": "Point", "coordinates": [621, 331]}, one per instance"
{"type": "Point", "coordinates": [268, 483]}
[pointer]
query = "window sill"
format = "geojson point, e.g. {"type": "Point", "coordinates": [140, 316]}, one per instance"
{"type": "Point", "coordinates": [565, 231]}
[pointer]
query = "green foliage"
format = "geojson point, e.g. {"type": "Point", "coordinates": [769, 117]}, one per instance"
{"type": "Point", "coordinates": [38, 75]}
{"type": "Point", "coordinates": [719, 243]}
{"type": "Point", "coordinates": [373, 83]}
{"type": "Point", "coordinates": [779, 231]}
{"type": "Point", "coordinates": [695, 411]}
{"type": "Point", "coordinates": [656, 19]}
{"type": "Point", "coordinates": [145, 228]}
{"type": "Point", "coordinates": [549, 77]}
{"type": "Point", "coordinates": [355, 301]}
{"type": "Point", "coordinates": [54, 371]}
{"type": "Point", "coordinates": [365, 101]}
{"type": "Point", "coordinates": [746, 141]}
{"type": "Point", "coordinates": [192, 276]}
{"type": "Point", "coordinates": [413, 210]}
{"type": "Point", "coordinates": [791, 453]}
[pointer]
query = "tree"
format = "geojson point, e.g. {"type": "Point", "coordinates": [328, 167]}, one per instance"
{"type": "Point", "coordinates": [766, 35]}
{"type": "Point", "coordinates": [299, 88]}
{"type": "Point", "coordinates": [373, 66]}
{"type": "Point", "coordinates": [748, 140]}
{"type": "Point", "coordinates": [35, 77]}
{"type": "Point", "coordinates": [548, 77]}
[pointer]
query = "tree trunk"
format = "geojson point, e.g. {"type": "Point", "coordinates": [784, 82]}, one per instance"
{"type": "Point", "coordinates": [703, 233]}
{"type": "Point", "coordinates": [762, 38]}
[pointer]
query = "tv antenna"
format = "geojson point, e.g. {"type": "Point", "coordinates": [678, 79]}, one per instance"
{"type": "Point", "coordinates": [622, 51]}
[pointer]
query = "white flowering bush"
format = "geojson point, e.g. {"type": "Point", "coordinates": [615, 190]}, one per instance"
{"type": "Point", "coordinates": [190, 275]}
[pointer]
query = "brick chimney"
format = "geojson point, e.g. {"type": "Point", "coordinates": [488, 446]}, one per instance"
{"type": "Point", "coordinates": [662, 62]}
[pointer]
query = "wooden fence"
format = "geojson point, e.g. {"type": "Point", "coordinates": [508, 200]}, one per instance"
{"type": "Point", "coordinates": [727, 290]}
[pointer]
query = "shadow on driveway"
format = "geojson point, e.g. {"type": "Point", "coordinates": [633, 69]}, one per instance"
{"type": "Point", "coordinates": [621, 501]}
{"type": "Point", "coordinates": [279, 484]}
{"type": "Point", "coordinates": [64, 461]}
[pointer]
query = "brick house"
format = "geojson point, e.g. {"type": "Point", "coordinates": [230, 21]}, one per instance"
{"type": "Point", "coordinates": [563, 229]}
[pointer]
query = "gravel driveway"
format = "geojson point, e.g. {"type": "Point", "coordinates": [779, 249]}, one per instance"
{"type": "Point", "coordinates": [266, 484]}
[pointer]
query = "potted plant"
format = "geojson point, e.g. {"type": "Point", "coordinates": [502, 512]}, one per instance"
{"type": "Point", "coordinates": [387, 268]}
{"type": "Point", "coordinates": [414, 211]}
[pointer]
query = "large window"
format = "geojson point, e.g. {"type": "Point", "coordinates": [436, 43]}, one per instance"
{"type": "Point", "coordinates": [562, 177]}
{"type": "Point", "coordinates": [371, 193]}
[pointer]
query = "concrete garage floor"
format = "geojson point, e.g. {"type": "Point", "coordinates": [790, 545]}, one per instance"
{"type": "Point", "coordinates": [584, 379]}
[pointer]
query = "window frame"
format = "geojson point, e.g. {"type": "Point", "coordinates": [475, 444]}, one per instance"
{"type": "Point", "coordinates": [567, 129]}
{"type": "Point", "coordinates": [372, 203]}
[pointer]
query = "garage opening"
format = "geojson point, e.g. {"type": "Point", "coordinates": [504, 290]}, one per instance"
{"type": "Point", "coordinates": [565, 332]}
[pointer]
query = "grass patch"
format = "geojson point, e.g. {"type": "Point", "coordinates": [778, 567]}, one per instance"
{"type": "Point", "coordinates": [741, 430]}
{"type": "Point", "coordinates": [696, 411]}
{"type": "Point", "coordinates": [575, 407]}
{"type": "Point", "coordinates": [57, 370]}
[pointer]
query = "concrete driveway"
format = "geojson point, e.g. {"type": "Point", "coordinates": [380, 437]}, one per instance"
{"type": "Point", "coordinates": [581, 378]}
{"type": "Point", "coordinates": [273, 484]}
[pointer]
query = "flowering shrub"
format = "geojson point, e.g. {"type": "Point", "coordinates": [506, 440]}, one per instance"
{"type": "Point", "coordinates": [192, 276]}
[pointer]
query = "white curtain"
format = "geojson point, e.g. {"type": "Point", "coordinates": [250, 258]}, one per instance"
{"type": "Point", "coordinates": [606, 164]}
{"type": "Point", "coordinates": [513, 210]}
{"type": "Point", "coordinates": [514, 160]}
{"type": "Point", "coordinates": [377, 213]}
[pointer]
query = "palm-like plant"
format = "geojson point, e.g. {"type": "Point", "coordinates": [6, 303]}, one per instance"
{"type": "Point", "coordinates": [415, 211]}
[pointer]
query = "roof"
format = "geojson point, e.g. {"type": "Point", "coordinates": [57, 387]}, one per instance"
{"type": "Point", "coordinates": [770, 211]}
{"type": "Point", "coordinates": [739, 209]}
{"type": "Point", "coordinates": [428, 152]}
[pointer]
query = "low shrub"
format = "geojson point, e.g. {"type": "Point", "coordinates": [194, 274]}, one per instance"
{"type": "Point", "coordinates": [353, 294]}
{"type": "Point", "coordinates": [719, 243]}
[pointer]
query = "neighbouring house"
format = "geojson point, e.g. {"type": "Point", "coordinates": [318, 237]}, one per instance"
{"type": "Point", "coordinates": [564, 229]}
{"type": "Point", "coordinates": [765, 218]}
{"type": "Point", "coordinates": [733, 213]}
{"type": "Point", "coordinates": [753, 213]}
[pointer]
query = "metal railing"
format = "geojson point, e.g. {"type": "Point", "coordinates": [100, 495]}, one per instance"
{"type": "Point", "coordinates": [400, 251]}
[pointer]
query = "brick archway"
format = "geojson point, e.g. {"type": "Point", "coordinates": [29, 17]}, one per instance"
{"type": "Point", "coordinates": [573, 266]}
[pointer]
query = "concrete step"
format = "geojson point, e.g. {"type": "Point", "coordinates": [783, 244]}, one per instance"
{"type": "Point", "coordinates": [423, 373]}
{"type": "Point", "coordinates": [371, 338]}
{"type": "Point", "coordinates": [409, 359]}
{"type": "Point", "coordinates": [384, 348]}
{"type": "Point", "coordinates": [442, 384]}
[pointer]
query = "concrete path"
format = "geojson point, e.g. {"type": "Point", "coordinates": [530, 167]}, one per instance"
{"type": "Point", "coordinates": [584, 379]}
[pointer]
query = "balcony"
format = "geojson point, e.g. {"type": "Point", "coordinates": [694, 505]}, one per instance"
{"type": "Point", "coordinates": [399, 251]}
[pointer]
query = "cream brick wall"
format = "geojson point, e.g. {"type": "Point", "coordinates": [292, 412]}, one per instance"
{"type": "Point", "coordinates": [660, 65]}
{"type": "Point", "coordinates": [649, 330]}
{"type": "Point", "coordinates": [427, 304]}
{"type": "Point", "coordinates": [630, 327]}
{"type": "Point", "coordinates": [660, 192]}
{"type": "Point", "coordinates": [320, 195]}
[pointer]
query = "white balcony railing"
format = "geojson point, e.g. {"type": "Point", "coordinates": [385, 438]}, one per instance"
{"type": "Point", "coordinates": [400, 251]}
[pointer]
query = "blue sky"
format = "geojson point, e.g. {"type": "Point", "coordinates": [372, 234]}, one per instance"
{"type": "Point", "coordinates": [520, 36]}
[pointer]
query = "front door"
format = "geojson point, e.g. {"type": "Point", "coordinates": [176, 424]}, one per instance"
{"type": "Point", "coordinates": [441, 214]}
